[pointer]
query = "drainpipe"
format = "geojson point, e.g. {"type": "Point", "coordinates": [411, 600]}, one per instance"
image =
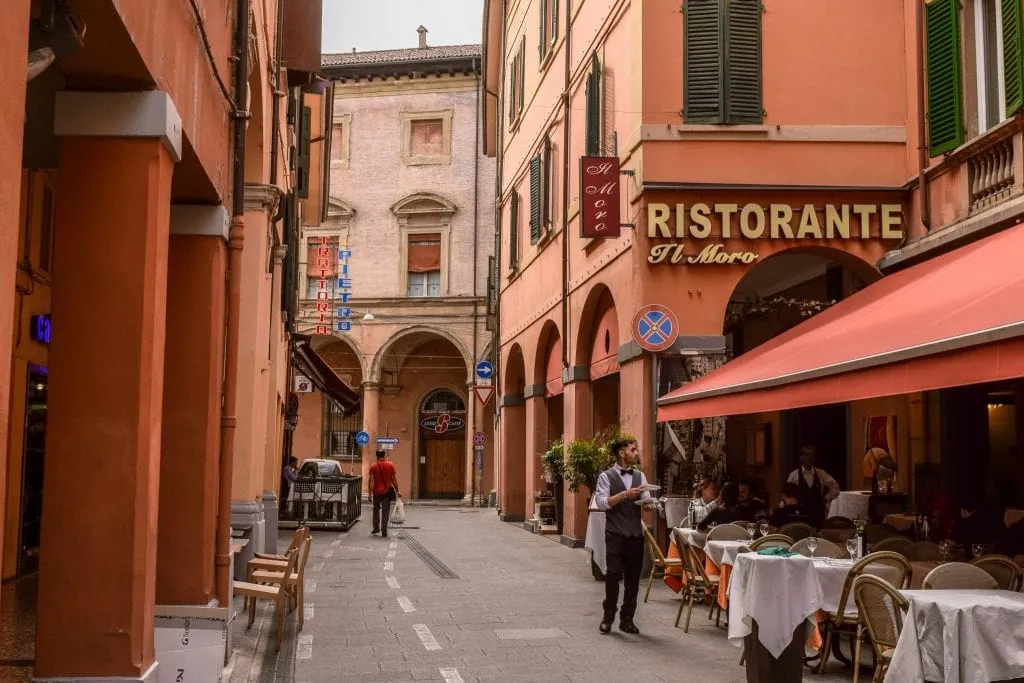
{"type": "Point", "coordinates": [228, 420]}
{"type": "Point", "coordinates": [277, 96]}
{"type": "Point", "coordinates": [922, 144]}
{"type": "Point", "coordinates": [476, 254]}
{"type": "Point", "coordinates": [565, 183]}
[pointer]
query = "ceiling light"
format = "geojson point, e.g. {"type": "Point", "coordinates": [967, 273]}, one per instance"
{"type": "Point", "coordinates": [368, 317]}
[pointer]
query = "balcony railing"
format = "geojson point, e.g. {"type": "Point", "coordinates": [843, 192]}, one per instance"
{"type": "Point", "coordinates": [991, 175]}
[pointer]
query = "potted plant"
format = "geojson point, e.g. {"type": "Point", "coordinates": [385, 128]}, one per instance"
{"type": "Point", "coordinates": [587, 458]}
{"type": "Point", "coordinates": [554, 462]}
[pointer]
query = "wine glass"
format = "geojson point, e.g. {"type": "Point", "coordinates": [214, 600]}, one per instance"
{"type": "Point", "coordinates": [851, 547]}
{"type": "Point", "coordinates": [977, 550]}
{"type": "Point", "coordinates": [945, 548]}
{"type": "Point", "coordinates": [764, 528]}
{"type": "Point", "coordinates": [812, 545]}
{"type": "Point", "coordinates": [751, 530]}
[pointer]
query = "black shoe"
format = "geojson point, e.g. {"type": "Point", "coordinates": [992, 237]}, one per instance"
{"type": "Point", "coordinates": [384, 534]}
{"type": "Point", "coordinates": [627, 626]}
{"type": "Point", "coordinates": [605, 627]}
{"type": "Point", "coordinates": [375, 532]}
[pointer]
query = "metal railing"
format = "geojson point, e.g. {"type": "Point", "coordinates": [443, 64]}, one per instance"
{"type": "Point", "coordinates": [323, 502]}
{"type": "Point", "coordinates": [990, 174]}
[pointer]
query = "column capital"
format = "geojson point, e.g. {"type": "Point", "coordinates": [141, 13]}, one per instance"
{"type": "Point", "coordinates": [575, 373]}
{"type": "Point", "coordinates": [534, 391]}
{"type": "Point", "coordinates": [200, 219]}
{"type": "Point", "coordinates": [260, 196]}
{"type": "Point", "coordinates": [278, 253]}
{"type": "Point", "coordinates": [146, 114]}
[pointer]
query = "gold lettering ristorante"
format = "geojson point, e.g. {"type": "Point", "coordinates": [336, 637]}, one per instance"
{"type": "Point", "coordinates": [776, 221]}
{"type": "Point", "coordinates": [712, 253]}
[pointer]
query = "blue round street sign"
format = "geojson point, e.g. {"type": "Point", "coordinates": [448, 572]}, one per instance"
{"type": "Point", "coordinates": [484, 370]}
{"type": "Point", "coordinates": [362, 438]}
{"type": "Point", "coordinates": [655, 328]}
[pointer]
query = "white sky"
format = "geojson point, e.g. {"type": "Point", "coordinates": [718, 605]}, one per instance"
{"type": "Point", "coordinates": [391, 24]}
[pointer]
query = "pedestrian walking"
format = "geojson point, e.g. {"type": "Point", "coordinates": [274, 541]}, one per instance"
{"type": "Point", "coordinates": [383, 490]}
{"type": "Point", "coordinates": [619, 488]}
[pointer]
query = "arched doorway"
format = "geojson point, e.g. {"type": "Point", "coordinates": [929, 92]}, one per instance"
{"type": "Point", "coordinates": [597, 350]}
{"type": "Point", "coordinates": [442, 432]}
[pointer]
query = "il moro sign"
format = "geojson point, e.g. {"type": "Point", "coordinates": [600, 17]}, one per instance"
{"type": "Point", "coordinates": [599, 197]}
{"type": "Point", "coordinates": [698, 222]}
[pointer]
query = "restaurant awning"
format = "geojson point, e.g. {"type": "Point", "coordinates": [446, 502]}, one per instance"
{"type": "Point", "coordinates": [312, 364]}
{"type": "Point", "coordinates": [954, 320]}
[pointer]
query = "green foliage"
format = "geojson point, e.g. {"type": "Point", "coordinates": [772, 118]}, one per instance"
{"type": "Point", "coordinates": [554, 459]}
{"type": "Point", "coordinates": [586, 459]}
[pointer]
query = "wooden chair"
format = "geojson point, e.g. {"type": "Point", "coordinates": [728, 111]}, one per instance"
{"type": "Point", "coordinates": [960, 576]}
{"type": "Point", "coordinates": [848, 622]}
{"type": "Point", "coordinates": [922, 551]}
{"type": "Point", "coordinates": [698, 585]}
{"type": "Point", "coordinates": [772, 541]}
{"type": "Point", "coordinates": [1004, 570]}
{"type": "Point", "coordinates": [297, 538]}
{"type": "Point", "coordinates": [658, 560]}
{"type": "Point", "coordinates": [728, 532]}
{"type": "Point", "coordinates": [798, 531]}
{"type": "Point", "coordinates": [826, 548]}
{"type": "Point", "coordinates": [881, 607]}
{"type": "Point", "coordinates": [896, 544]}
{"type": "Point", "coordinates": [275, 593]}
{"type": "Point", "coordinates": [293, 582]}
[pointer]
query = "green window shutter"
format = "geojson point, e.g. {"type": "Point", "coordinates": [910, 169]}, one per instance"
{"type": "Point", "coordinates": [542, 46]}
{"type": "Point", "coordinates": [702, 61]}
{"type": "Point", "coordinates": [945, 111]}
{"type": "Point", "coordinates": [302, 168]}
{"type": "Point", "coordinates": [522, 75]}
{"type": "Point", "coordinates": [513, 231]}
{"type": "Point", "coordinates": [554, 21]}
{"type": "Point", "coordinates": [511, 102]}
{"type": "Point", "coordinates": [1013, 56]}
{"type": "Point", "coordinates": [593, 95]}
{"type": "Point", "coordinates": [535, 199]}
{"type": "Point", "coordinates": [548, 171]}
{"type": "Point", "coordinates": [743, 62]}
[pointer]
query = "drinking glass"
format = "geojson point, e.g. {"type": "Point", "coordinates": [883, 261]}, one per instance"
{"type": "Point", "coordinates": [764, 528]}
{"type": "Point", "coordinates": [751, 530]}
{"type": "Point", "coordinates": [977, 550]}
{"type": "Point", "coordinates": [851, 547]}
{"type": "Point", "coordinates": [812, 544]}
{"type": "Point", "coordinates": [945, 547]}
{"type": "Point", "coordinates": [712, 525]}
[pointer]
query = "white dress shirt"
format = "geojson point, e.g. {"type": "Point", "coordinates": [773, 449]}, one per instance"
{"type": "Point", "coordinates": [604, 486]}
{"type": "Point", "coordinates": [830, 484]}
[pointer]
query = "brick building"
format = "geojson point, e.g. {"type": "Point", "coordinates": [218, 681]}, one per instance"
{"type": "Point", "coordinates": [406, 318]}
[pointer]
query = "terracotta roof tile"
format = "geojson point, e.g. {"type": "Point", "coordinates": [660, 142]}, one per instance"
{"type": "Point", "coordinates": [409, 55]}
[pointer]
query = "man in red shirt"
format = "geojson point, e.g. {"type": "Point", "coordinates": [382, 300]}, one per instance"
{"type": "Point", "coordinates": [383, 489]}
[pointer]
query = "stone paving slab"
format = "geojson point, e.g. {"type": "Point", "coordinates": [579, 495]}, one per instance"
{"type": "Point", "coordinates": [522, 608]}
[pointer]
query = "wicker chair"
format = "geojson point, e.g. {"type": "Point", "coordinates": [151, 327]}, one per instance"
{"type": "Point", "coordinates": [659, 563]}
{"type": "Point", "coordinates": [698, 586]}
{"type": "Point", "coordinates": [772, 541]}
{"type": "Point", "coordinates": [1004, 570]}
{"type": "Point", "coordinates": [960, 576]}
{"type": "Point", "coordinates": [895, 544]}
{"type": "Point", "coordinates": [797, 530]}
{"type": "Point", "coordinates": [922, 551]}
{"type": "Point", "coordinates": [838, 522]}
{"type": "Point", "coordinates": [881, 607]}
{"type": "Point", "coordinates": [848, 622]}
{"type": "Point", "coordinates": [826, 548]}
{"type": "Point", "coordinates": [874, 533]}
{"type": "Point", "coordinates": [728, 532]}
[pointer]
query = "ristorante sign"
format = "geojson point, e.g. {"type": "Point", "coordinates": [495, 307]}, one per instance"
{"type": "Point", "coordinates": [691, 227]}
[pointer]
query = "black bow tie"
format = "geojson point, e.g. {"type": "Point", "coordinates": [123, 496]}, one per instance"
{"type": "Point", "coordinates": [628, 471]}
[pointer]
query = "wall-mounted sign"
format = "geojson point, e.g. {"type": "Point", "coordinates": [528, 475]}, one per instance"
{"type": "Point", "coordinates": [344, 291]}
{"type": "Point", "coordinates": [40, 329]}
{"type": "Point", "coordinates": [701, 223]}
{"type": "Point", "coordinates": [303, 385]}
{"type": "Point", "coordinates": [387, 443]}
{"type": "Point", "coordinates": [655, 328]}
{"type": "Point", "coordinates": [599, 197]}
{"type": "Point", "coordinates": [443, 423]}
{"type": "Point", "coordinates": [483, 393]}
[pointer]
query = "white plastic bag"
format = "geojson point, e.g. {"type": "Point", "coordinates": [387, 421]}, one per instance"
{"type": "Point", "coordinates": [398, 513]}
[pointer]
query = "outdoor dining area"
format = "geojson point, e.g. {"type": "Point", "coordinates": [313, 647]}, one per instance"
{"type": "Point", "coordinates": [886, 604]}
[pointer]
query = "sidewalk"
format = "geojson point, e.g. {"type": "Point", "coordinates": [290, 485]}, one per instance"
{"type": "Point", "coordinates": [457, 595]}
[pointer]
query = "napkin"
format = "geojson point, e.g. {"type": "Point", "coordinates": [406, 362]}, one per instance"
{"type": "Point", "coordinates": [778, 552]}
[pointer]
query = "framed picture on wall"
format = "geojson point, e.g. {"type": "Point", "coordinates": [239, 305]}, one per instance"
{"type": "Point", "coordinates": [758, 443]}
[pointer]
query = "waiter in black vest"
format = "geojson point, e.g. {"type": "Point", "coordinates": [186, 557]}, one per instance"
{"type": "Point", "coordinates": [618, 490]}
{"type": "Point", "coordinates": [817, 487]}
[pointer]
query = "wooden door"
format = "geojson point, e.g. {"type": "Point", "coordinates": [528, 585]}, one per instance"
{"type": "Point", "coordinates": [444, 470]}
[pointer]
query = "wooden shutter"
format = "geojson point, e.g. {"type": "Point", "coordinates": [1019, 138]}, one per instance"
{"type": "Point", "coordinates": [702, 61]}
{"type": "Point", "coordinates": [513, 231]}
{"type": "Point", "coordinates": [547, 183]}
{"type": "Point", "coordinates": [554, 21]}
{"type": "Point", "coordinates": [522, 76]}
{"type": "Point", "coordinates": [542, 47]}
{"type": "Point", "coordinates": [945, 111]}
{"type": "Point", "coordinates": [302, 167]}
{"type": "Point", "coordinates": [535, 188]}
{"type": "Point", "coordinates": [743, 62]}
{"type": "Point", "coordinates": [1013, 56]}
{"type": "Point", "coordinates": [593, 95]}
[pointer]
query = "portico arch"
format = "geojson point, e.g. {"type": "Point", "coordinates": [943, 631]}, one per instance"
{"type": "Point", "coordinates": [512, 434]}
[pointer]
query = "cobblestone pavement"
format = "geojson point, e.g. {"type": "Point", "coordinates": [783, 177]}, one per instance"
{"type": "Point", "coordinates": [457, 595]}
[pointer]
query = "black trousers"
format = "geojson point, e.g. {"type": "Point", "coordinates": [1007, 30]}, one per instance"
{"type": "Point", "coordinates": [625, 560]}
{"type": "Point", "coordinates": [381, 511]}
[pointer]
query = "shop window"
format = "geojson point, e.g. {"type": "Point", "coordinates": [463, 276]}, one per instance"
{"type": "Point", "coordinates": [722, 61]}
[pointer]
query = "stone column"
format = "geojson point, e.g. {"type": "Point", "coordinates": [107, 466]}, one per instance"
{"type": "Point", "coordinates": [97, 575]}
{"type": "Point", "coordinates": [636, 407]}
{"type": "Point", "coordinates": [273, 460]}
{"type": "Point", "coordinates": [579, 424]}
{"type": "Point", "coordinates": [371, 420]}
{"type": "Point", "coordinates": [536, 441]}
{"type": "Point", "coordinates": [472, 412]}
{"type": "Point", "coordinates": [512, 432]}
{"type": "Point", "coordinates": [193, 374]}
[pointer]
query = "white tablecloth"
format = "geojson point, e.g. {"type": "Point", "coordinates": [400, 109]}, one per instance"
{"type": "Point", "coordinates": [850, 504]}
{"type": "Point", "coordinates": [960, 636]}
{"type": "Point", "coordinates": [594, 540]}
{"type": "Point", "coordinates": [777, 592]}
{"type": "Point", "coordinates": [692, 537]}
{"type": "Point", "coordinates": [724, 552]}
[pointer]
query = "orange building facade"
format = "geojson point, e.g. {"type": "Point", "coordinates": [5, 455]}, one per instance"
{"type": "Point", "coordinates": [770, 167]}
{"type": "Point", "coordinates": [142, 243]}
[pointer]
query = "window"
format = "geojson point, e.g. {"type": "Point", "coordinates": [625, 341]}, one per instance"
{"type": "Point", "coordinates": [427, 137]}
{"type": "Point", "coordinates": [535, 192]}
{"type": "Point", "coordinates": [548, 27]}
{"type": "Point", "coordinates": [541, 181]}
{"type": "Point", "coordinates": [593, 97]}
{"type": "Point", "coordinates": [722, 61]}
{"type": "Point", "coordinates": [339, 435]}
{"type": "Point", "coordinates": [322, 267]}
{"type": "Point", "coordinates": [424, 265]}
{"type": "Point", "coordinates": [988, 61]}
{"type": "Point", "coordinates": [548, 189]}
{"type": "Point", "coordinates": [340, 133]}
{"type": "Point", "coordinates": [516, 90]}
{"type": "Point", "coordinates": [513, 231]}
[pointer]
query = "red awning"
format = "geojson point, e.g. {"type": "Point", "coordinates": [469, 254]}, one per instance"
{"type": "Point", "coordinates": [323, 376]}
{"type": "Point", "coordinates": [954, 320]}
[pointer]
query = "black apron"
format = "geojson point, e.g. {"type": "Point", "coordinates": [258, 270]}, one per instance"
{"type": "Point", "coordinates": [812, 497]}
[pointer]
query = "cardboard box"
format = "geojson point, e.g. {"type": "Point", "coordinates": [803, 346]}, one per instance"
{"type": "Point", "coordinates": [191, 643]}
